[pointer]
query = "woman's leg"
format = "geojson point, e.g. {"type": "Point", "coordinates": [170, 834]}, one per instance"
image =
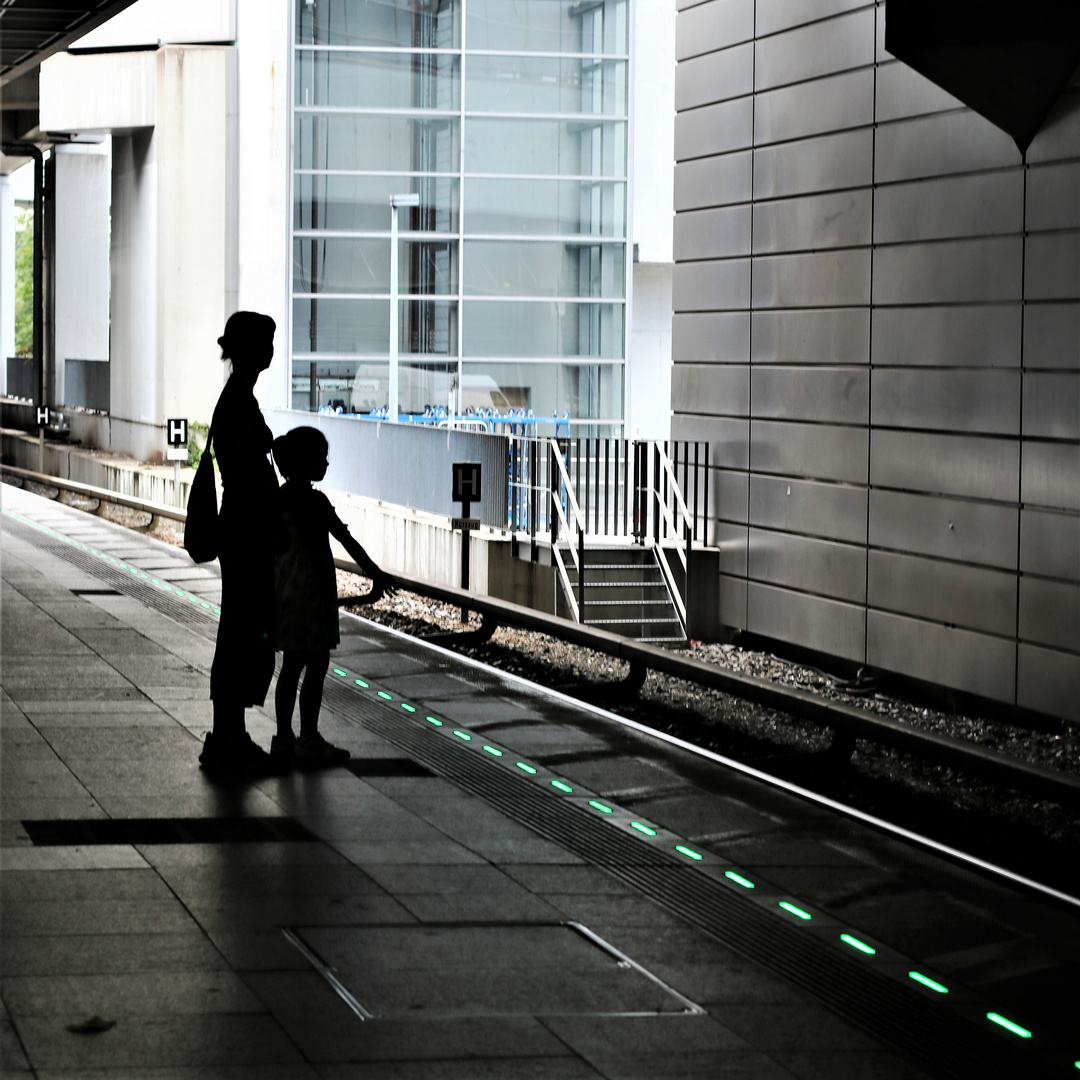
{"type": "Point", "coordinates": [311, 691]}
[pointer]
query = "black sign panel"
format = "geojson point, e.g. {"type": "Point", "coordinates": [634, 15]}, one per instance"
{"type": "Point", "coordinates": [466, 481]}
{"type": "Point", "coordinates": [178, 434]}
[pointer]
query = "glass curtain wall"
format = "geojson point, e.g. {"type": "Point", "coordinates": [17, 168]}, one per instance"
{"type": "Point", "coordinates": [509, 119]}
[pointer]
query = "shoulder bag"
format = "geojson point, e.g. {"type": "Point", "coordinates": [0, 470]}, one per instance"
{"type": "Point", "coordinates": [201, 530]}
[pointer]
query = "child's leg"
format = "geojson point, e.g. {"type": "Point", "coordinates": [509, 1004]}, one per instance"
{"type": "Point", "coordinates": [292, 663]}
{"type": "Point", "coordinates": [311, 692]}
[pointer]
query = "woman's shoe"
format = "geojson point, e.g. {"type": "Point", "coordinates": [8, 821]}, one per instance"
{"type": "Point", "coordinates": [240, 755]}
{"type": "Point", "coordinates": [283, 746]}
{"type": "Point", "coordinates": [315, 750]}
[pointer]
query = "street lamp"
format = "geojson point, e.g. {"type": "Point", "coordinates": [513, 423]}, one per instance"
{"type": "Point", "coordinates": [395, 202]}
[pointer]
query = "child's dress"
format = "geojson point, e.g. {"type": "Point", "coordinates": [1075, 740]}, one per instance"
{"type": "Point", "coordinates": [305, 578]}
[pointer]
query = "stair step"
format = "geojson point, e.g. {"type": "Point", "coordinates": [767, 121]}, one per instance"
{"type": "Point", "coordinates": [623, 584]}
{"type": "Point", "coordinates": [628, 603]}
{"type": "Point", "coordinates": [660, 639]}
{"type": "Point", "coordinates": [630, 622]}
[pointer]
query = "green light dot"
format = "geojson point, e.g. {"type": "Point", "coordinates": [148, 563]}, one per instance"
{"type": "Point", "coordinates": [384, 694]}
{"type": "Point", "coordinates": [145, 577]}
{"type": "Point", "coordinates": [855, 943]}
{"type": "Point", "coordinates": [407, 707]}
{"type": "Point", "coordinates": [689, 852]}
{"type": "Point", "coordinates": [338, 671]}
{"type": "Point", "coordinates": [217, 611]}
{"type": "Point", "coordinates": [122, 565]}
{"type": "Point", "coordinates": [492, 750]}
{"type": "Point", "coordinates": [463, 735]}
{"type": "Point", "coordinates": [642, 828]}
{"type": "Point", "coordinates": [193, 599]}
{"type": "Point", "coordinates": [131, 569]}
{"type": "Point", "coordinates": [798, 912]}
{"type": "Point", "coordinates": [433, 720]}
{"type": "Point", "coordinates": [600, 806]}
{"type": "Point", "coordinates": [206, 605]}
{"type": "Point", "coordinates": [112, 560]}
{"type": "Point", "coordinates": [179, 594]}
{"type": "Point", "coordinates": [920, 978]}
{"type": "Point", "coordinates": [1008, 1025]}
{"type": "Point", "coordinates": [361, 683]}
{"type": "Point", "coordinates": [562, 786]}
{"type": "Point", "coordinates": [739, 879]}
{"type": "Point", "coordinates": [526, 768]}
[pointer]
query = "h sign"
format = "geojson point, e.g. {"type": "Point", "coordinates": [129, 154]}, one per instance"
{"type": "Point", "coordinates": [466, 481]}
{"type": "Point", "coordinates": [42, 416]}
{"type": "Point", "coordinates": [178, 432]}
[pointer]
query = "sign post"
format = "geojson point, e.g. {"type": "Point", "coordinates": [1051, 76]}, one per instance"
{"type": "Point", "coordinates": [177, 451]}
{"type": "Point", "coordinates": [466, 490]}
{"type": "Point", "coordinates": [395, 202]}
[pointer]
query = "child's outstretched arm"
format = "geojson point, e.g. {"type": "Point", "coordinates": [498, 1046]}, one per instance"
{"type": "Point", "coordinates": [381, 581]}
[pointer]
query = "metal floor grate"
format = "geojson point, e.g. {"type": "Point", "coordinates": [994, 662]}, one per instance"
{"type": "Point", "coordinates": [79, 832]}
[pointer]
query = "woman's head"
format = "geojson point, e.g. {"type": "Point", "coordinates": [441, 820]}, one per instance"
{"type": "Point", "coordinates": [301, 454]}
{"type": "Point", "coordinates": [248, 341]}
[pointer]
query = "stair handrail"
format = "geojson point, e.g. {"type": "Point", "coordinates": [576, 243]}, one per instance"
{"type": "Point", "coordinates": [577, 550]}
{"type": "Point", "coordinates": [682, 542]}
{"type": "Point", "coordinates": [669, 580]}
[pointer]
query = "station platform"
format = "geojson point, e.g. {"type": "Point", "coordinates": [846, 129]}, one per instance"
{"type": "Point", "coordinates": [501, 883]}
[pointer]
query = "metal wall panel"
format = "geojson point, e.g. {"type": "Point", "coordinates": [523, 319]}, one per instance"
{"type": "Point", "coordinates": [733, 602]}
{"type": "Point", "coordinates": [1052, 336]}
{"type": "Point", "coordinates": [1052, 266]}
{"type": "Point", "coordinates": [731, 540]}
{"type": "Point", "coordinates": [830, 626]}
{"type": "Point", "coordinates": [1051, 475]}
{"type": "Point", "coordinates": [711, 286]}
{"type": "Point", "coordinates": [903, 93]}
{"type": "Point", "coordinates": [822, 48]}
{"type": "Point", "coordinates": [955, 271]}
{"type": "Point", "coordinates": [829, 279]}
{"type": "Point", "coordinates": [776, 15]}
{"type": "Point", "coordinates": [1048, 681]}
{"type": "Point", "coordinates": [714, 389]}
{"type": "Point", "coordinates": [1050, 613]}
{"type": "Point", "coordinates": [954, 336]}
{"type": "Point", "coordinates": [722, 337]}
{"type": "Point", "coordinates": [946, 592]}
{"type": "Point", "coordinates": [831, 511]}
{"type": "Point", "coordinates": [713, 234]}
{"type": "Point", "coordinates": [813, 222]}
{"type": "Point", "coordinates": [823, 567]}
{"type": "Point", "coordinates": [940, 145]}
{"type": "Point", "coordinates": [961, 530]}
{"type": "Point", "coordinates": [973, 400]}
{"type": "Point", "coordinates": [1059, 137]}
{"type": "Point", "coordinates": [971, 466]}
{"type": "Point", "coordinates": [979, 204]}
{"type": "Point", "coordinates": [717, 76]}
{"type": "Point", "coordinates": [962, 659]}
{"type": "Point", "coordinates": [844, 160]}
{"type": "Point", "coordinates": [814, 108]}
{"type": "Point", "coordinates": [811, 451]}
{"type": "Point", "coordinates": [728, 495]}
{"type": "Point", "coordinates": [711, 26]}
{"type": "Point", "coordinates": [825, 394]}
{"type": "Point", "coordinates": [811, 336]}
{"type": "Point", "coordinates": [1053, 197]}
{"type": "Point", "coordinates": [1050, 544]}
{"type": "Point", "coordinates": [714, 181]}
{"type": "Point", "coordinates": [714, 129]}
{"type": "Point", "coordinates": [1052, 404]}
{"type": "Point", "coordinates": [727, 438]}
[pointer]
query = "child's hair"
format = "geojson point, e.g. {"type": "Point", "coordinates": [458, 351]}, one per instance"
{"type": "Point", "coordinates": [299, 452]}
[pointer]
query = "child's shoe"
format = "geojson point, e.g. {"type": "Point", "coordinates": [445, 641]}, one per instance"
{"type": "Point", "coordinates": [315, 750]}
{"type": "Point", "coordinates": [283, 746]}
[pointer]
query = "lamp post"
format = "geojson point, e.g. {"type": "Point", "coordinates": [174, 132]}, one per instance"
{"type": "Point", "coordinates": [395, 202]}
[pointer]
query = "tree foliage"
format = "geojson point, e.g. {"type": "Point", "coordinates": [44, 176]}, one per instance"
{"type": "Point", "coordinates": [24, 281]}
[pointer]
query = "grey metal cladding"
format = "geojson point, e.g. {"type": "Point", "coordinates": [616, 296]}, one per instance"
{"type": "Point", "coordinates": [814, 108]}
{"type": "Point", "coordinates": [836, 395]}
{"type": "Point", "coordinates": [950, 271]}
{"type": "Point", "coordinates": [831, 511]}
{"type": "Point", "coordinates": [903, 93]}
{"type": "Point", "coordinates": [881, 55]}
{"type": "Point", "coordinates": [812, 222]}
{"type": "Point", "coordinates": [713, 25]}
{"type": "Point", "coordinates": [714, 129]}
{"type": "Point", "coordinates": [776, 15]}
{"type": "Point", "coordinates": [1052, 336]}
{"type": "Point", "coordinates": [719, 337]}
{"type": "Point", "coordinates": [829, 626]}
{"type": "Point", "coordinates": [713, 389]}
{"type": "Point", "coordinates": [811, 336]}
{"type": "Point", "coordinates": [728, 444]}
{"type": "Point", "coordinates": [731, 540]}
{"type": "Point", "coordinates": [712, 234]}
{"type": "Point", "coordinates": [713, 181]}
{"type": "Point", "coordinates": [728, 495]}
{"type": "Point", "coordinates": [954, 336]}
{"type": "Point", "coordinates": [962, 659]}
{"type": "Point", "coordinates": [821, 48]}
{"type": "Point", "coordinates": [1052, 266]}
{"type": "Point", "coordinates": [1053, 197]}
{"type": "Point", "coordinates": [964, 531]}
{"type": "Point", "coordinates": [1052, 404]}
{"type": "Point", "coordinates": [810, 451]}
{"type": "Point", "coordinates": [941, 145]}
{"type": "Point", "coordinates": [1051, 475]}
{"type": "Point", "coordinates": [714, 77]}
{"type": "Point", "coordinates": [1050, 544]}
{"type": "Point", "coordinates": [972, 466]}
{"type": "Point", "coordinates": [1048, 681]}
{"type": "Point", "coordinates": [1059, 137]}
{"type": "Point", "coordinates": [711, 286]}
{"type": "Point", "coordinates": [733, 601]}
{"type": "Point", "coordinates": [972, 399]}
{"type": "Point", "coordinates": [843, 160]}
{"type": "Point", "coordinates": [969, 596]}
{"type": "Point", "coordinates": [1050, 613]}
{"type": "Point", "coordinates": [826, 279]}
{"type": "Point", "coordinates": [823, 567]}
{"type": "Point", "coordinates": [977, 204]}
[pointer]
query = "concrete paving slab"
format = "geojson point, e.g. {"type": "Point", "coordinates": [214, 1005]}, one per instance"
{"type": "Point", "coordinates": [90, 954]}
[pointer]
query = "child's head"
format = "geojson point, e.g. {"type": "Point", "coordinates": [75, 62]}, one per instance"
{"type": "Point", "coordinates": [302, 454]}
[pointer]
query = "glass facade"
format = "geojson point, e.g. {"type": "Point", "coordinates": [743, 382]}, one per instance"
{"type": "Point", "coordinates": [509, 119]}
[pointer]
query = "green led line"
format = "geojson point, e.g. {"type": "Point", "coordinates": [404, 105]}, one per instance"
{"type": "Point", "coordinates": [217, 611]}
{"type": "Point", "coordinates": [463, 735]}
{"type": "Point", "coordinates": [1076, 1064]}
{"type": "Point", "coordinates": [562, 786]}
{"type": "Point", "coordinates": [689, 852]}
{"type": "Point", "coordinates": [1008, 1025]}
{"type": "Point", "coordinates": [430, 719]}
{"type": "Point", "coordinates": [526, 768]}
{"type": "Point", "coordinates": [601, 807]}
{"type": "Point", "coordinates": [920, 978]}
{"type": "Point", "coordinates": [492, 750]}
{"type": "Point", "coordinates": [794, 910]}
{"type": "Point", "coordinates": [739, 879]}
{"type": "Point", "coordinates": [361, 683]}
{"type": "Point", "coordinates": [642, 828]}
{"type": "Point", "coordinates": [407, 707]}
{"type": "Point", "coordinates": [205, 605]}
{"type": "Point", "coordinates": [339, 671]}
{"type": "Point", "coordinates": [855, 943]}
{"type": "Point", "coordinates": [384, 694]}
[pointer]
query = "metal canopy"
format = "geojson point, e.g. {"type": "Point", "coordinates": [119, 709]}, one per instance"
{"type": "Point", "coordinates": [1009, 60]}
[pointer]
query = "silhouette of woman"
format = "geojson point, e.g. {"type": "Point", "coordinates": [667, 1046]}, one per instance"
{"type": "Point", "coordinates": [251, 532]}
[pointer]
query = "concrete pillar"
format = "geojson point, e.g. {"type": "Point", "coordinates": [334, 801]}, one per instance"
{"type": "Point", "coordinates": [7, 277]}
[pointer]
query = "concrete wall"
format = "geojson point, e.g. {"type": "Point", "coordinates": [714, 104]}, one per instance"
{"type": "Point", "coordinates": [876, 326]}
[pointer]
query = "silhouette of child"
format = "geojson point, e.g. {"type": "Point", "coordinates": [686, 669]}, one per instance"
{"type": "Point", "coordinates": [306, 589]}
